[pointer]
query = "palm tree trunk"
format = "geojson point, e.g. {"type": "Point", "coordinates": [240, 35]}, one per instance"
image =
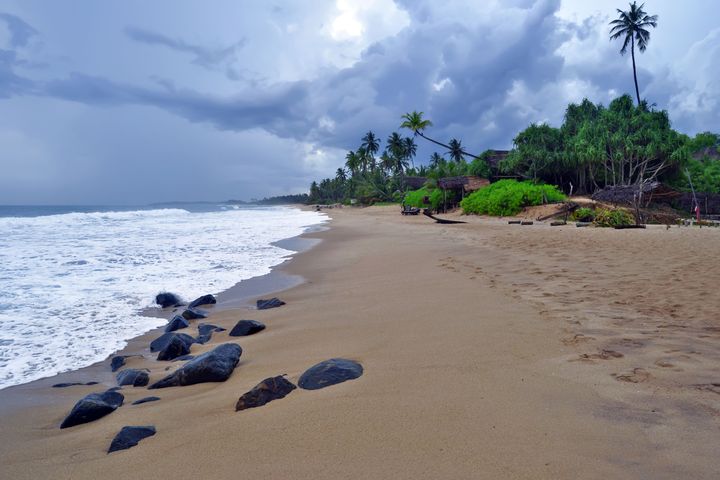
{"type": "Point", "coordinates": [446, 146]}
{"type": "Point", "coordinates": [632, 53]}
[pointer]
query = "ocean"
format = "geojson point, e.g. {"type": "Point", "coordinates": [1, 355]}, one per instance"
{"type": "Point", "coordinates": [74, 279]}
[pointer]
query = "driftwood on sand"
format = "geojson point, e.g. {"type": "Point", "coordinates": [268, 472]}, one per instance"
{"type": "Point", "coordinates": [427, 213]}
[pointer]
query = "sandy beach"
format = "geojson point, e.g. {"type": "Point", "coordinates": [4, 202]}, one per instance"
{"type": "Point", "coordinates": [490, 351]}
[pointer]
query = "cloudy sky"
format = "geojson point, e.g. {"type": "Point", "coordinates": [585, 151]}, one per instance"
{"type": "Point", "coordinates": [129, 102]}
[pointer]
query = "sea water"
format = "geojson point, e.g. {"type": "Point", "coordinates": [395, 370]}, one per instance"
{"type": "Point", "coordinates": [74, 279]}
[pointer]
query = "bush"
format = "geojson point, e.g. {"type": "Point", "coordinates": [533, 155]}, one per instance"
{"type": "Point", "coordinates": [414, 198]}
{"type": "Point", "coordinates": [508, 197]}
{"type": "Point", "coordinates": [612, 218]}
{"type": "Point", "coordinates": [584, 214]}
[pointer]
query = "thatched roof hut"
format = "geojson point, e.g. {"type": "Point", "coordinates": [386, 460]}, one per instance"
{"type": "Point", "coordinates": [466, 183]}
{"type": "Point", "coordinates": [415, 182]}
{"type": "Point", "coordinates": [496, 156]}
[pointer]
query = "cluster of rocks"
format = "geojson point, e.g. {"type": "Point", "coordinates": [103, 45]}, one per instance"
{"type": "Point", "coordinates": [216, 365]}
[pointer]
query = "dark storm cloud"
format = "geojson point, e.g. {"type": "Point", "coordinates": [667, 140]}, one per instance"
{"type": "Point", "coordinates": [20, 31]}
{"type": "Point", "coordinates": [278, 109]}
{"type": "Point", "coordinates": [203, 56]}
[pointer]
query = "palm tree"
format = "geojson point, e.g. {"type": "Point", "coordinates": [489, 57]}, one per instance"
{"type": "Point", "coordinates": [340, 175]}
{"type": "Point", "coordinates": [370, 143]}
{"type": "Point", "coordinates": [409, 149]}
{"type": "Point", "coordinates": [395, 144]}
{"type": "Point", "coordinates": [632, 25]}
{"type": "Point", "coordinates": [456, 151]}
{"type": "Point", "coordinates": [436, 160]}
{"type": "Point", "coordinates": [415, 122]}
{"type": "Point", "coordinates": [352, 162]}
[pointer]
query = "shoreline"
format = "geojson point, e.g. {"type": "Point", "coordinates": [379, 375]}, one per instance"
{"type": "Point", "coordinates": [490, 351]}
{"type": "Point", "coordinates": [235, 297]}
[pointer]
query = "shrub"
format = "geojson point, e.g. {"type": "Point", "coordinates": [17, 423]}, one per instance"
{"type": "Point", "coordinates": [414, 198]}
{"type": "Point", "coordinates": [612, 218]}
{"type": "Point", "coordinates": [508, 197]}
{"type": "Point", "coordinates": [584, 214]}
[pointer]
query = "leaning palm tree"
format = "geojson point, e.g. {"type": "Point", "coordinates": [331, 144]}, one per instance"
{"type": "Point", "coordinates": [633, 27]}
{"type": "Point", "coordinates": [455, 151]}
{"type": "Point", "coordinates": [415, 122]}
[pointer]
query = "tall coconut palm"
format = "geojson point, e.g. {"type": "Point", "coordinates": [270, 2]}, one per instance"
{"type": "Point", "coordinates": [633, 27]}
{"type": "Point", "coordinates": [395, 145]}
{"type": "Point", "coordinates": [455, 151]}
{"type": "Point", "coordinates": [436, 160]}
{"type": "Point", "coordinates": [340, 175]}
{"type": "Point", "coordinates": [370, 143]}
{"type": "Point", "coordinates": [352, 162]}
{"type": "Point", "coordinates": [409, 149]}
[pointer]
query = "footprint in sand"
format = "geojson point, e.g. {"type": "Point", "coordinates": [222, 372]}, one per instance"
{"type": "Point", "coordinates": [601, 355]}
{"type": "Point", "coordinates": [576, 339]}
{"type": "Point", "coordinates": [637, 375]}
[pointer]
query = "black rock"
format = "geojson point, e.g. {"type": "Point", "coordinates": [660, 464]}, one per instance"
{"type": "Point", "coordinates": [167, 299]}
{"type": "Point", "coordinates": [204, 300]}
{"type": "Point", "coordinates": [163, 340]}
{"type": "Point", "coordinates": [194, 314]}
{"type": "Point", "coordinates": [114, 389]}
{"type": "Point", "coordinates": [72, 384]}
{"type": "Point", "coordinates": [134, 377]}
{"type": "Point", "coordinates": [330, 372]}
{"type": "Point", "coordinates": [117, 362]}
{"type": "Point", "coordinates": [182, 358]}
{"type": "Point", "coordinates": [176, 323]}
{"type": "Point", "coordinates": [176, 347]}
{"type": "Point", "coordinates": [205, 328]}
{"type": "Point", "coordinates": [129, 437]}
{"type": "Point", "coordinates": [145, 400]}
{"type": "Point", "coordinates": [266, 391]}
{"type": "Point", "coordinates": [214, 366]}
{"type": "Point", "coordinates": [244, 328]}
{"type": "Point", "coordinates": [270, 303]}
{"type": "Point", "coordinates": [93, 406]}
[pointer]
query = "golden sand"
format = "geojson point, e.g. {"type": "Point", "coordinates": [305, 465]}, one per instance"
{"type": "Point", "coordinates": [491, 351]}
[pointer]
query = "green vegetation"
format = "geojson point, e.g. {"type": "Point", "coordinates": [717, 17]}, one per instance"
{"type": "Point", "coordinates": [597, 146]}
{"type": "Point", "coordinates": [508, 197]}
{"type": "Point", "coordinates": [415, 198]}
{"type": "Point", "coordinates": [612, 218]}
{"type": "Point", "coordinates": [583, 214]}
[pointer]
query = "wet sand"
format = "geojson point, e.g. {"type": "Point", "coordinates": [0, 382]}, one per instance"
{"type": "Point", "coordinates": [490, 351]}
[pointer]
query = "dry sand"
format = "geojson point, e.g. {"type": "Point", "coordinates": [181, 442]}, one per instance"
{"type": "Point", "coordinates": [491, 351]}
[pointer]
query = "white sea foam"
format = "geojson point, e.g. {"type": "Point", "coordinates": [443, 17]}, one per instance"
{"type": "Point", "coordinates": [71, 285]}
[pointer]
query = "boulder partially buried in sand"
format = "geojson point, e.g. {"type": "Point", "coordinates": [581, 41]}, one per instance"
{"type": "Point", "coordinates": [205, 331]}
{"type": "Point", "coordinates": [167, 299]}
{"type": "Point", "coordinates": [134, 377]}
{"type": "Point", "coordinates": [176, 323]}
{"type": "Point", "coordinates": [270, 389]}
{"type": "Point", "coordinates": [269, 303]}
{"type": "Point", "coordinates": [129, 437]}
{"type": "Point", "coordinates": [214, 366]}
{"type": "Point", "coordinates": [175, 347]}
{"type": "Point", "coordinates": [204, 300]}
{"type": "Point", "coordinates": [163, 340]}
{"type": "Point", "coordinates": [244, 328]}
{"type": "Point", "coordinates": [117, 362]}
{"type": "Point", "coordinates": [145, 400]}
{"type": "Point", "coordinates": [194, 314]}
{"type": "Point", "coordinates": [93, 406]}
{"type": "Point", "coordinates": [330, 372]}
